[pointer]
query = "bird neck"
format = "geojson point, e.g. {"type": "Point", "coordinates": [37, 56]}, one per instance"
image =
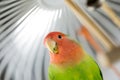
{"type": "Point", "coordinates": [67, 57]}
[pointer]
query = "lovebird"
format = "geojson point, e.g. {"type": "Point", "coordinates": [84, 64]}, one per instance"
{"type": "Point", "coordinates": [68, 60]}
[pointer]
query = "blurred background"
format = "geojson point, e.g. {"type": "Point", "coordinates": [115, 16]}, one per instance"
{"type": "Point", "coordinates": [25, 23]}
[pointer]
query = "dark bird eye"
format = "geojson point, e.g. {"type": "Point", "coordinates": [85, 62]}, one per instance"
{"type": "Point", "coordinates": [59, 36]}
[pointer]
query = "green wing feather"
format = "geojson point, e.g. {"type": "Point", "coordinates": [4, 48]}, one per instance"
{"type": "Point", "coordinates": [87, 69]}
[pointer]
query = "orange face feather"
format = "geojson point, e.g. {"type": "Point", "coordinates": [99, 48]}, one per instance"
{"type": "Point", "coordinates": [62, 49]}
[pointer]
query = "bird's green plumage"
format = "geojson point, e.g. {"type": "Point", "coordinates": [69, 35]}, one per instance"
{"type": "Point", "coordinates": [87, 69]}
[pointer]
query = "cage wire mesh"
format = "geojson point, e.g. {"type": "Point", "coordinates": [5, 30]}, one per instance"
{"type": "Point", "coordinates": [23, 26]}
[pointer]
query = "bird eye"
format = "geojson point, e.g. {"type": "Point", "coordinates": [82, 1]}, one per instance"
{"type": "Point", "coordinates": [59, 36]}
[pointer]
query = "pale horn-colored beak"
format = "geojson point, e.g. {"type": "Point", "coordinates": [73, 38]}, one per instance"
{"type": "Point", "coordinates": [52, 46]}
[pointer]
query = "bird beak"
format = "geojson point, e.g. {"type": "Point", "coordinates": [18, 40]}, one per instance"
{"type": "Point", "coordinates": [52, 46]}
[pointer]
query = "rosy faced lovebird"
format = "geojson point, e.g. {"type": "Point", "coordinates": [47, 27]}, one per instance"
{"type": "Point", "coordinates": [68, 60]}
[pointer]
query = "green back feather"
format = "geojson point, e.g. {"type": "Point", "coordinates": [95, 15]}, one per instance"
{"type": "Point", "coordinates": [87, 69]}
